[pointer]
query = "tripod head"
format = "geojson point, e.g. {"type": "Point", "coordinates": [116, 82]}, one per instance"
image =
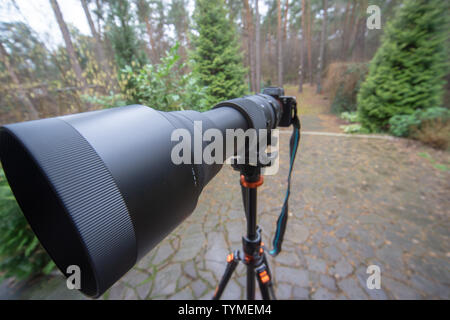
{"type": "Point", "coordinates": [267, 111]}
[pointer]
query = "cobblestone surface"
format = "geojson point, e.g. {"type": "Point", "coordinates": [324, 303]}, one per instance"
{"type": "Point", "coordinates": [355, 202]}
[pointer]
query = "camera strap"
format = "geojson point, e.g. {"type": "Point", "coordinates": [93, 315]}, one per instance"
{"type": "Point", "coordinates": [283, 217]}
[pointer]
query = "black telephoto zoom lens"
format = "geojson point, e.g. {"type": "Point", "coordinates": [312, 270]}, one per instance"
{"type": "Point", "coordinates": [99, 188]}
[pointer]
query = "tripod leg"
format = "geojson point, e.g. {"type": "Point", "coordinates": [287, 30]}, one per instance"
{"type": "Point", "coordinates": [250, 282]}
{"type": "Point", "coordinates": [263, 280]}
{"type": "Point", "coordinates": [244, 192]}
{"type": "Point", "coordinates": [264, 277]}
{"type": "Point", "coordinates": [267, 265]}
{"type": "Point", "coordinates": [232, 261]}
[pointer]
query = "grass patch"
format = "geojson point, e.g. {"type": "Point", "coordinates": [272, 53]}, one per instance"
{"type": "Point", "coordinates": [439, 166]}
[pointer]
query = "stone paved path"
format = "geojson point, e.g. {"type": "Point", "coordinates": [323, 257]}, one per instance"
{"type": "Point", "coordinates": [355, 202]}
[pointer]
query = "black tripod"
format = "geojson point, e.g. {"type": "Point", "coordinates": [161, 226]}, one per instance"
{"type": "Point", "coordinates": [253, 255]}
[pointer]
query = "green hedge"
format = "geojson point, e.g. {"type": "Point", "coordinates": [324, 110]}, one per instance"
{"type": "Point", "coordinates": [408, 70]}
{"type": "Point", "coordinates": [21, 255]}
{"type": "Point", "coordinates": [349, 85]}
{"type": "Point", "coordinates": [401, 125]}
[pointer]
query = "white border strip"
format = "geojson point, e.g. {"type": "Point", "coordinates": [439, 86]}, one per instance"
{"type": "Point", "coordinates": [345, 135]}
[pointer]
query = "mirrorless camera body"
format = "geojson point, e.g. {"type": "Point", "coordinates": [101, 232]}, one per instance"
{"type": "Point", "coordinates": [288, 105]}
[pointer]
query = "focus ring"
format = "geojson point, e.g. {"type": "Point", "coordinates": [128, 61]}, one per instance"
{"type": "Point", "coordinates": [249, 109]}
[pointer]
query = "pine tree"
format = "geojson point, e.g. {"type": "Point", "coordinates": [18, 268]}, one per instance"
{"type": "Point", "coordinates": [178, 16]}
{"type": "Point", "coordinates": [407, 72]}
{"type": "Point", "coordinates": [69, 45]}
{"type": "Point", "coordinates": [122, 34]}
{"type": "Point", "coordinates": [217, 60]}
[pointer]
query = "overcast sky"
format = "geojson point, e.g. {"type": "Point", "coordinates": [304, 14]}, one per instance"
{"type": "Point", "coordinates": [39, 15]}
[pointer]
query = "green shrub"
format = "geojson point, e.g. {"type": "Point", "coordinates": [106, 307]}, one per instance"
{"type": "Point", "coordinates": [21, 255]}
{"type": "Point", "coordinates": [355, 126]}
{"type": "Point", "coordinates": [349, 116]}
{"type": "Point", "coordinates": [408, 70]}
{"type": "Point", "coordinates": [402, 125]}
{"type": "Point", "coordinates": [217, 58]}
{"type": "Point", "coordinates": [105, 102]}
{"type": "Point", "coordinates": [342, 102]}
{"type": "Point", "coordinates": [163, 86]}
{"type": "Point", "coordinates": [342, 84]}
{"type": "Point", "coordinates": [351, 128]}
{"type": "Point", "coordinates": [433, 113]}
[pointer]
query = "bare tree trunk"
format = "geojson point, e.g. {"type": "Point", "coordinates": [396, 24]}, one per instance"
{"type": "Point", "coordinates": [358, 15]}
{"type": "Point", "coordinates": [101, 57]}
{"type": "Point", "coordinates": [359, 42]}
{"type": "Point", "coordinates": [345, 29]}
{"type": "Point", "coordinates": [309, 37]}
{"type": "Point", "coordinates": [161, 44]}
{"type": "Point", "coordinates": [323, 39]}
{"type": "Point", "coordinates": [349, 32]}
{"type": "Point", "coordinates": [257, 48]}
{"type": "Point", "coordinates": [286, 9]}
{"type": "Point", "coordinates": [69, 46]}
{"type": "Point", "coordinates": [302, 48]}
{"type": "Point", "coordinates": [358, 46]}
{"type": "Point", "coordinates": [300, 67]}
{"type": "Point", "coordinates": [250, 44]}
{"type": "Point", "coordinates": [21, 92]}
{"type": "Point", "coordinates": [279, 53]}
{"type": "Point", "coordinates": [153, 52]}
{"type": "Point", "coordinates": [99, 16]}
{"type": "Point", "coordinates": [273, 59]}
